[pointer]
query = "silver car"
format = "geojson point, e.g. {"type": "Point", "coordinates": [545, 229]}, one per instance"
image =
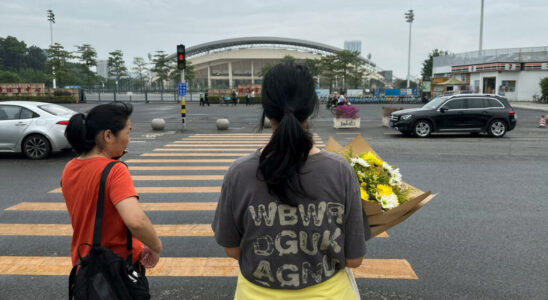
{"type": "Point", "coordinates": [34, 128]}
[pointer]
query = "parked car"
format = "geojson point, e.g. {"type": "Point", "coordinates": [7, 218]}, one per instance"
{"type": "Point", "coordinates": [474, 113]}
{"type": "Point", "coordinates": [35, 128]}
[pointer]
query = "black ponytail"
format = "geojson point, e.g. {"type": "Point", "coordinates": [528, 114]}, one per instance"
{"type": "Point", "coordinates": [289, 97]}
{"type": "Point", "coordinates": [82, 130]}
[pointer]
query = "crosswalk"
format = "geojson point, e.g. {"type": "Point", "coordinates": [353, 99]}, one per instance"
{"type": "Point", "coordinates": [184, 178]}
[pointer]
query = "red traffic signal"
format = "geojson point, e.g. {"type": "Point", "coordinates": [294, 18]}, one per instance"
{"type": "Point", "coordinates": [181, 57]}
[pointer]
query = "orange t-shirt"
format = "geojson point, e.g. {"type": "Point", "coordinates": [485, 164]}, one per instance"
{"type": "Point", "coordinates": [80, 183]}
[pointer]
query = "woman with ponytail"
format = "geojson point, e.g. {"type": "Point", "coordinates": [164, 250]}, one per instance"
{"type": "Point", "coordinates": [100, 138]}
{"type": "Point", "coordinates": [291, 213]}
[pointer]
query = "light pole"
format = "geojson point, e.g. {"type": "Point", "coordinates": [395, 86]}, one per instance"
{"type": "Point", "coordinates": [481, 29]}
{"type": "Point", "coordinates": [409, 17]}
{"type": "Point", "coordinates": [51, 19]}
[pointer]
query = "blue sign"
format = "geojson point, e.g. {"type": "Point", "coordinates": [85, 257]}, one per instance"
{"type": "Point", "coordinates": [377, 92]}
{"type": "Point", "coordinates": [392, 92]}
{"type": "Point", "coordinates": [182, 89]}
{"type": "Point", "coordinates": [415, 92]}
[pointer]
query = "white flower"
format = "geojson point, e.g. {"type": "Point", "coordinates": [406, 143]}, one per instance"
{"type": "Point", "coordinates": [387, 167]}
{"type": "Point", "coordinates": [362, 162]}
{"type": "Point", "coordinates": [388, 202]}
{"type": "Point", "coordinates": [361, 174]}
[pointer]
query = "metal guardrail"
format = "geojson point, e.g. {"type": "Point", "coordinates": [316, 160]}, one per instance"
{"type": "Point", "coordinates": [531, 54]}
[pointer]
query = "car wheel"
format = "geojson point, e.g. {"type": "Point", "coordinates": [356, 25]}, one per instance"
{"type": "Point", "coordinates": [36, 146]}
{"type": "Point", "coordinates": [422, 128]}
{"type": "Point", "coordinates": [497, 128]}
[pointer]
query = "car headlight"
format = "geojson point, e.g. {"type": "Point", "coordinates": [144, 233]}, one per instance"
{"type": "Point", "coordinates": [406, 117]}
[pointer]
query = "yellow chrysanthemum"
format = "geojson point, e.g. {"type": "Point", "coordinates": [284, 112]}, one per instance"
{"type": "Point", "coordinates": [364, 194]}
{"type": "Point", "coordinates": [384, 190]}
{"type": "Point", "coordinates": [371, 159]}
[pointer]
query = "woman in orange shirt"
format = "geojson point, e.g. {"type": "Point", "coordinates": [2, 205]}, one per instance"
{"type": "Point", "coordinates": [99, 138]}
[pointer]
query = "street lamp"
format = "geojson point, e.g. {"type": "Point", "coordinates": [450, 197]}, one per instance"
{"type": "Point", "coordinates": [51, 19]}
{"type": "Point", "coordinates": [409, 17]}
{"type": "Point", "coordinates": [481, 29]}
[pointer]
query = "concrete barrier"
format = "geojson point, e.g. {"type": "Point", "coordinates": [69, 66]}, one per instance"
{"type": "Point", "coordinates": [158, 124]}
{"type": "Point", "coordinates": [222, 124]}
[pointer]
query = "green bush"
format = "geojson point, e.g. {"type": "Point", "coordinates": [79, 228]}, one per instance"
{"type": "Point", "coordinates": [62, 93]}
{"type": "Point", "coordinates": [51, 99]}
{"type": "Point", "coordinates": [544, 87]}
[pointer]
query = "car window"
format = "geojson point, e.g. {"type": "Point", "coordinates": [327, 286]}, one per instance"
{"type": "Point", "coordinates": [8, 112]}
{"type": "Point", "coordinates": [494, 103]}
{"type": "Point", "coordinates": [56, 110]}
{"type": "Point", "coordinates": [476, 103]}
{"type": "Point", "coordinates": [26, 114]}
{"type": "Point", "coordinates": [455, 104]}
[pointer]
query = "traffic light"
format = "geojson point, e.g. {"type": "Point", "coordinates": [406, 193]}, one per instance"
{"type": "Point", "coordinates": [181, 57]}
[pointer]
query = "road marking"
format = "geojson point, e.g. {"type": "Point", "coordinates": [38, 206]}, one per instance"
{"type": "Point", "coordinates": [66, 230]}
{"type": "Point", "coordinates": [193, 267]}
{"type": "Point", "coordinates": [178, 168]}
{"type": "Point", "coordinates": [206, 149]}
{"type": "Point", "coordinates": [148, 206]}
{"type": "Point", "coordinates": [176, 177]}
{"type": "Point", "coordinates": [223, 145]}
{"type": "Point", "coordinates": [167, 190]}
{"type": "Point", "coordinates": [138, 160]}
{"type": "Point", "coordinates": [216, 142]}
{"type": "Point", "coordinates": [196, 154]}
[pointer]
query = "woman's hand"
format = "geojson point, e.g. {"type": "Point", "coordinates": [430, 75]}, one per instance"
{"type": "Point", "coordinates": [149, 258]}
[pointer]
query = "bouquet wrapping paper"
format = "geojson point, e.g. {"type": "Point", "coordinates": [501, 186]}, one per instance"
{"type": "Point", "coordinates": [381, 220]}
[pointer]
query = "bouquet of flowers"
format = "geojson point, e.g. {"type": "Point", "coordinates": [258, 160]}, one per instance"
{"type": "Point", "coordinates": [386, 199]}
{"type": "Point", "coordinates": [347, 112]}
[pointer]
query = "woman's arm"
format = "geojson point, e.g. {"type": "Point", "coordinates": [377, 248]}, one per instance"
{"type": "Point", "coordinates": [138, 223]}
{"type": "Point", "coordinates": [233, 252]}
{"type": "Point", "coordinates": [354, 262]}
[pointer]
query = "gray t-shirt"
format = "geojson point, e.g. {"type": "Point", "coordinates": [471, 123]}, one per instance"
{"type": "Point", "coordinates": [285, 247]}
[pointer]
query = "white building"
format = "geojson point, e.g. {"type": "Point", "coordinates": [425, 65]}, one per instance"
{"type": "Point", "coordinates": [354, 46]}
{"type": "Point", "coordinates": [102, 68]}
{"type": "Point", "coordinates": [514, 73]}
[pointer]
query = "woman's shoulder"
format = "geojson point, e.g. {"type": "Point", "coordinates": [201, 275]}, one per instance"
{"type": "Point", "coordinates": [245, 164]}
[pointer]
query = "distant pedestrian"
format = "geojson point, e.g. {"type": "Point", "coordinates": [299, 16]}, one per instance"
{"type": "Point", "coordinates": [234, 98]}
{"type": "Point", "coordinates": [247, 99]}
{"type": "Point", "coordinates": [206, 98]}
{"type": "Point", "coordinates": [253, 96]}
{"type": "Point", "coordinates": [202, 99]}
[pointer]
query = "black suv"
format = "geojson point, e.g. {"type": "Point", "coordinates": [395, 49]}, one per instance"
{"type": "Point", "coordinates": [473, 113]}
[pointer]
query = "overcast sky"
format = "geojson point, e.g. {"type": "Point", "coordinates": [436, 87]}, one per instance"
{"type": "Point", "coordinates": [139, 27]}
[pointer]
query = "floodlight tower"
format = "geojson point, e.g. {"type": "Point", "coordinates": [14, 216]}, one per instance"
{"type": "Point", "coordinates": [51, 19]}
{"type": "Point", "coordinates": [409, 17]}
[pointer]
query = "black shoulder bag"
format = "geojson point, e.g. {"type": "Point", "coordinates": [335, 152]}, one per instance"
{"type": "Point", "coordinates": [103, 274]}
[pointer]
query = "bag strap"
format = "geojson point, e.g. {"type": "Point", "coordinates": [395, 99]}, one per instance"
{"type": "Point", "coordinates": [100, 205]}
{"type": "Point", "coordinates": [72, 278]}
{"type": "Point", "coordinates": [99, 213]}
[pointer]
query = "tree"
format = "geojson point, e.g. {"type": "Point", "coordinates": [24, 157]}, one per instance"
{"type": "Point", "coordinates": [329, 68]}
{"type": "Point", "coordinates": [266, 67]}
{"type": "Point", "coordinates": [140, 67]}
{"type": "Point", "coordinates": [189, 73]}
{"type": "Point", "coordinates": [544, 89]}
{"type": "Point", "coordinates": [9, 77]}
{"type": "Point", "coordinates": [116, 64]}
{"type": "Point", "coordinates": [347, 62]}
{"type": "Point", "coordinates": [288, 58]}
{"type": "Point", "coordinates": [88, 57]}
{"type": "Point", "coordinates": [12, 53]}
{"type": "Point", "coordinates": [427, 65]}
{"type": "Point", "coordinates": [402, 84]}
{"type": "Point", "coordinates": [314, 67]}
{"type": "Point", "coordinates": [57, 63]}
{"type": "Point", "coordinates": [35, 59]}
{"type": "Point", "coordinates": [161, 66]}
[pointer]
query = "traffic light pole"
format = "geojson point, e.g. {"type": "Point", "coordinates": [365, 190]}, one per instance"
{"type": "Point", "coordinates": [183, 102]}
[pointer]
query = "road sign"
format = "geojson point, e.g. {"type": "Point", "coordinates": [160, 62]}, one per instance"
{"type": "Point", "coordinates": [182, 89]}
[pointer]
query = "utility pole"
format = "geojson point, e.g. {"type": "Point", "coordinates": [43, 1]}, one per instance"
{"type": "Point", "coordinates": [409, 17]}
{"type": "Point", "coordinates": [51, 19]}
{"type": "Point", "coordinates": [481, 29]}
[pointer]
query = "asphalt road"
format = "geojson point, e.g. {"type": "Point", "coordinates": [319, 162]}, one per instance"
{"type": "Point", "coordinates": [483, 237]}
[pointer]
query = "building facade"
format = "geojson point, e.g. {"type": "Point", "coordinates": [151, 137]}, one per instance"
{"type": "Point", "coordinates": [102, 68]}
{"type": "Point", "coordinates": [354, 46]}
{"type": "Point", "coordinates": [513, 73]}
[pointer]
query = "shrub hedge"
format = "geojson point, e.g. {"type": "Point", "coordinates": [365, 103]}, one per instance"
{"type": "Point", "coordinates": [51, 98]}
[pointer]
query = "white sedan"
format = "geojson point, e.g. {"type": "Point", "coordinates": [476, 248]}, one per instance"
{"type": "Point", "coordinates": [34, 128]}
